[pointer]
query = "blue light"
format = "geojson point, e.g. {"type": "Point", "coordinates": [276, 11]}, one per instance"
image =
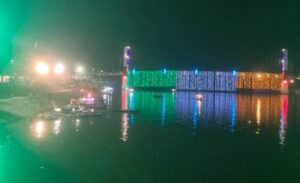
{"type": "Point", "coordinates": [234, 72]}
{"type": "Point", "coordinates": [196, 71]}
{"type": "Point", "coordinates": [133, 71]}
{"type": "Point", "coordinates": [165, 71]}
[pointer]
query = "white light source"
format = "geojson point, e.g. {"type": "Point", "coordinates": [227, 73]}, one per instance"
{"type": "Point", "coordinates": [199, 97]}
{"type": "Point", "coordinates": [42, 68]}
{"type": "Point", "coordinates": [107, 89]}
{"type": "Point", "coordinates": [79, 69]}
{"type": "Point", "coordinates": [59, 69]}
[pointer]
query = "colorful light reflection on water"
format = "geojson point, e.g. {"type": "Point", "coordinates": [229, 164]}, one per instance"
{"type": "Point", "coordinates": [221, 133]}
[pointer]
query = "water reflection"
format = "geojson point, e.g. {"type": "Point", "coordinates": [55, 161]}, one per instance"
{"type": "Point", "coordinates": [258, 111]}
{"type": "Point", "coordinates": [39, 129]}
{"type": "Point", "coordinates": [56, 126]}
{"type": "Point", "coordinates": [77, 125]}
{"type": "Point", "coordinates": [225, 110]}
{"type": "Point", "coordinates": [124, 118]}
{"type": "Point", "coordinates": [163, 111]}
{"type": "Point", "coordinates": [283, 120]}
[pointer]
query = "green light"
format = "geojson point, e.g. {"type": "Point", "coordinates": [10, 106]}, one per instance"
{"type": "Point", "coordinates": [152, 79]}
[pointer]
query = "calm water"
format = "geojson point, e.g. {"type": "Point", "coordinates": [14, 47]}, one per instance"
{"type": "Point", "coordinates": [224, 138]}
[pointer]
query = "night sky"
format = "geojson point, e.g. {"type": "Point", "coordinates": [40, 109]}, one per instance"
{"type": "Point", "coordinates": [187, 34]}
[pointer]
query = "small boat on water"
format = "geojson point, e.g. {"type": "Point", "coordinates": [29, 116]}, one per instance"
{"type": "Point", "coordinates": [51, 115]}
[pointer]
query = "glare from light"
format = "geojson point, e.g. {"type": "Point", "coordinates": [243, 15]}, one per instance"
{"type": "Point", "coordinates": [292, 81]}
{"type": "Point", "coordinates": [258, 76]}
{"type": "Point", "coordinates": [165, 71]}
{"type": "Point", "coordinates": [129, 89]}
{"type": "Point", "coordinates": [79, 69]}
{"type": "Point", "coordinates": [199, 97]}
{"type": "Point", "coordinates": [59, 69]}
{"type": "Point", "coordinates": [39, 129]}
{"type": "Point", "coordinates": [234, 72]}
{"type": "Point", "coordinates": [57, 109]}
{"type": "Point", "coordinates": [42, 68]}
{"type": "Point", "coordinates": [285, 82]}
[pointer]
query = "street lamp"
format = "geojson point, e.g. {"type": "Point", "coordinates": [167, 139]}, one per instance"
{"type": "Point", "coordinates": [59, 69]}
{"type": "Point", "coordinates": [42, 68]}
{"type": "Point", "coordinates": [79, 69]}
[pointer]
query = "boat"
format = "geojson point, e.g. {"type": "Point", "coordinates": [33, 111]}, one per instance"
{"type": "Point", "coordinates": [69, 109]}
{"type": "Point", "coordinates": [51, 115]}
{"type": "Point", "coordinates": [91, 103]}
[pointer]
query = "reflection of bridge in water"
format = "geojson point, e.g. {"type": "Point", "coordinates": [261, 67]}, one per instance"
{"type": "Point", "coordinates": [228, 111]}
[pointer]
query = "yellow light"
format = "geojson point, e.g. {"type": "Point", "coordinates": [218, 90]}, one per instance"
{"type": "Point", "coordinates": [42, 68]}
{"type": "Point", "coordinates": [59, 69]}
{"type": "Point", "coordinates": [199, 97]}
{"type": "Point", "coordinates": [258, 76]}
{"type": "Point", "coordinates": [292, 81]}
{"type": "Point", "coordinates": [39, 129]}
{"type": "Point", "coordinates": [276, 76]}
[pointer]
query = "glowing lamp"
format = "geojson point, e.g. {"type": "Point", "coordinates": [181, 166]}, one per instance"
{"type": "Point", "coordinates": [292, 81]}
{"type": "Point", "coordinates": [130, 90]}
{"type": "Point", "coordinates": [234, 72]}
{"type": "Point", "coordinates": [196, 71]}
{"type": "Point", "coordinates": [79, 69]}
{"type": "Point", "coordinates": [199, 97]}
{"type": "Point", "coordinates": [57, 109]}
{"type": "Point", "coordinates": [285, 82]}
{"type": "Point", "coordinates": [107, 90]}
{"type": "Point", "coordinates": [173, 90]}
{"type": "Point", "coordinates": [258, 76]}
{"type": "Point", "coordinates": [59, 69]}
{"type": "Point", "coordinates": [165, 71]}
{"type": "Point", "coordinates": [42, 68]}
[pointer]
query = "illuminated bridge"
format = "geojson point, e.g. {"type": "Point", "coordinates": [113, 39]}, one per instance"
{"type": "Point", "coordinates": [208, 81]}
{"type": "Point", "coordinates": [196, 80]}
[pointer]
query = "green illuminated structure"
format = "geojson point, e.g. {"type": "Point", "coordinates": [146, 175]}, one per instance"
{"type": "Point", "coordinates": [152, 79]}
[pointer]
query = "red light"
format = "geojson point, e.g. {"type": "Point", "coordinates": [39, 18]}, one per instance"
{"type": "Point", "coordinates": [285, 82]}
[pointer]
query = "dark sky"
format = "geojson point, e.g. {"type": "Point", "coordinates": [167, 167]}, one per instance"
{"type": "Point", "coordinates": [186, 34]}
